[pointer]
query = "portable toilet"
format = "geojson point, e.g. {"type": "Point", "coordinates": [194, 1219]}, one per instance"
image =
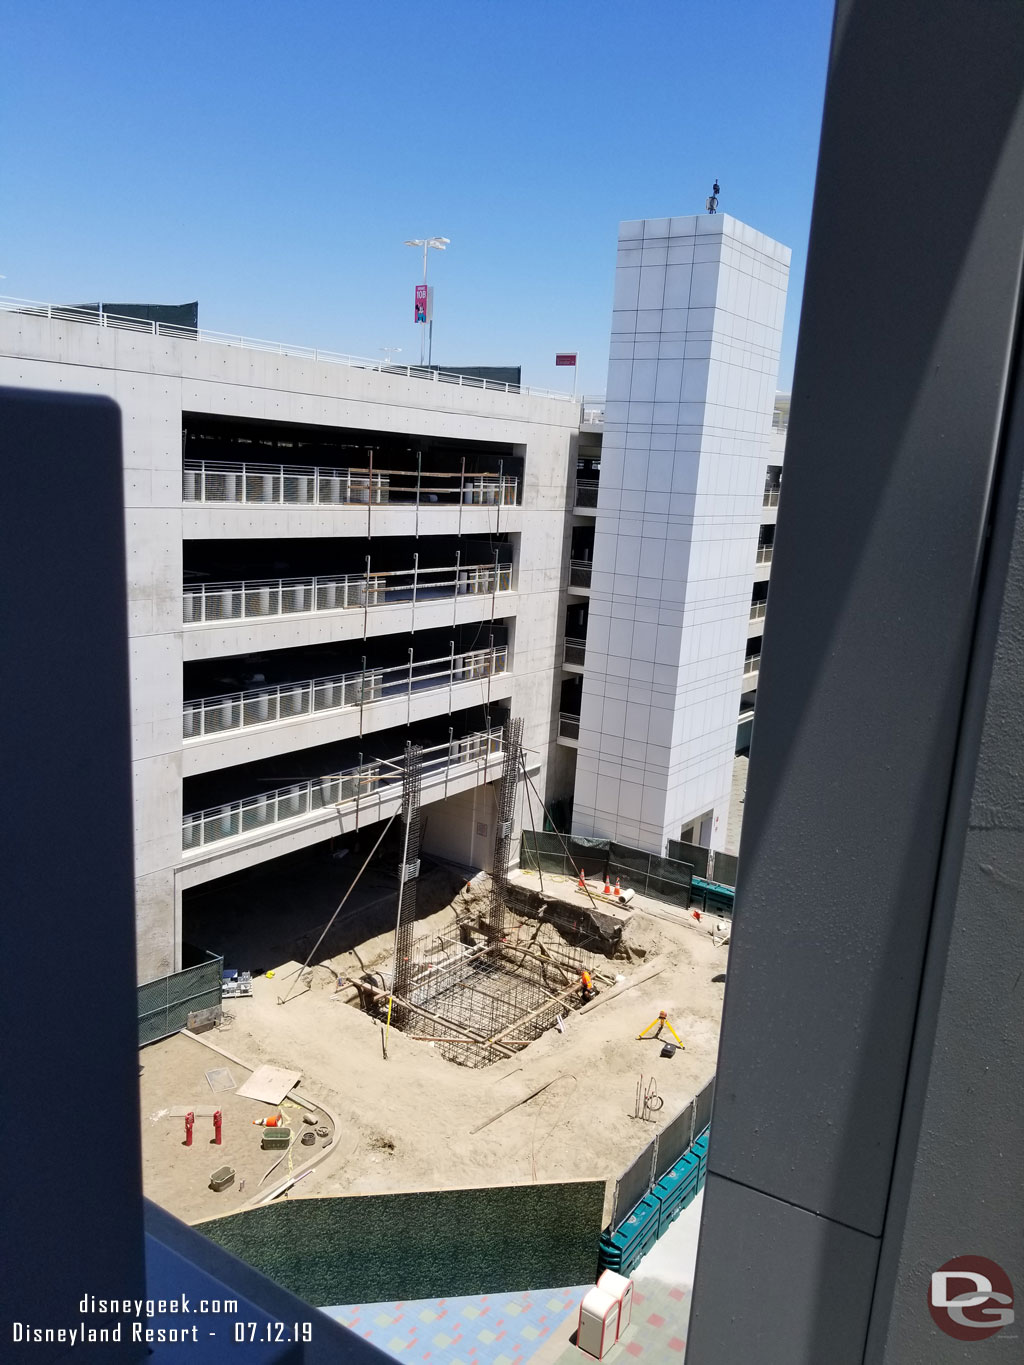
{"type": "Point", "coordinates": [621, 1289]}
{"type": "Point", "coordinates": [599, 1321]}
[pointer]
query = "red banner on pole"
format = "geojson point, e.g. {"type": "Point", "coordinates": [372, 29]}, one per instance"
{"type": "Point", "coordinates": [566, 358]}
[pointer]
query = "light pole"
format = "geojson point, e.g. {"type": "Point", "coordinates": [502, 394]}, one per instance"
{"type": "Point", "coordinates": [440, 243]}
{"type": "Point", "coordinates": [389, 351]}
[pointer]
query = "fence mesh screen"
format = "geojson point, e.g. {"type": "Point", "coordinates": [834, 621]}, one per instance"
{"type": "Point", "coordinates": [649, 874]}
{"type": "Point", "coordinates": [165, 1004]}
{"type": "Point", "coordinates": [590, 854]}
{"type": "Point", "coordinates": [693, 854]}
{"type": "Point", "coordinates": [673, 1141]}
{"type": "Point", "coordinates": [670, 880]}
{"type": "Point", "coordinates": [546, 852]}
{"type": "Point", "coordinates": [646, 873]}
{"type": "Point", "coordinates": [633, 1184]}
{"type": "Point", "coordinates": [726, 867]}
{"type": "Point", "coordinates": [702, 1106]}
{"type": "Point", "coordinates": [543, 852]}
{"type": "Point", "coordinates": [628, 859]}
{"type": "Point", "coordinates": [661, 1153]}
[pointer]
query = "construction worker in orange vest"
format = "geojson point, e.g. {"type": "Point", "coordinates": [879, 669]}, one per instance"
{"type": "Point", "coordinates": [587, 991]}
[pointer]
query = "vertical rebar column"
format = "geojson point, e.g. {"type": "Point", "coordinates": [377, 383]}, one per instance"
{"type": "Point", "coordinates": [513, 743]}
{"type": "Point", "coordinates": [408, 871]}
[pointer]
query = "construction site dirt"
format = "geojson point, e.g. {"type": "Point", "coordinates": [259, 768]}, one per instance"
{"type": "Point", "coordinates": [177, 1175]}
{"type": "Point", "coordinates": [413, 1120]}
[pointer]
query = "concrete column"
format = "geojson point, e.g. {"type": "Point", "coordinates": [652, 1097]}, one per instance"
{"type": "Point", "coordinates": [867, 1113]}
{"type": "Point", "coordinates": [696, 330]}
{"type": "Point", "coordinates": [68, 1003]}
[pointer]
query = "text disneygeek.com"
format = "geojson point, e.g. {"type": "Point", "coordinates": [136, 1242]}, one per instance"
{"type": "Point", "coordinates": [135, 1324]}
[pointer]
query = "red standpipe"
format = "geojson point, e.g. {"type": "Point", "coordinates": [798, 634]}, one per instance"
{"type": "Point", "coordinates": [217, 1122]}
{"type": "Point", "coordinates": [190, 1119]}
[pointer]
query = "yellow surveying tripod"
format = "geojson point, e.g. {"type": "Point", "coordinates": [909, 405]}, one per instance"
{"type": "Point", "coordinates": [662, 1022]}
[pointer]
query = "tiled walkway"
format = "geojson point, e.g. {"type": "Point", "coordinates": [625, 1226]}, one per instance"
{"type": "Point", "coordinates": [657, 1329]}
{"type": "Point", "coordinates": [492, 1329]}
{"type": "Point", "coordinates": [536, 1327]}
{"type": "Point", "coordinates": [662, 1286]}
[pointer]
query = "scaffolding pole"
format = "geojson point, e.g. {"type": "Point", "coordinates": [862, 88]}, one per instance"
{"type": "Point", "coordinates": [408, 871]}
{"type": "Point", "coordinates": [477, 991]}
{"type": "Point", "coordinates": [512, 743]}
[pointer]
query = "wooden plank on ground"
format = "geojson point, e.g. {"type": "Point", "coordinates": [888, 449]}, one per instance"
{"type": "Point", "coordinates": [269, 1084]}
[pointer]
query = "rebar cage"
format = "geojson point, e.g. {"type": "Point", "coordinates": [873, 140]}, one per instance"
{"type": "Point", "coordinates": [480, 999]}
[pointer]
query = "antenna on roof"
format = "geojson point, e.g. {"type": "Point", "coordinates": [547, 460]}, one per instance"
{"type": "Point", "coordinates": [712, 200]}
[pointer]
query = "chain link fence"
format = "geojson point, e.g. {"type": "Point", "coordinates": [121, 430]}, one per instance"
{"type": "Point", "coordinates": [165, 1004]}
{"type": "Point", "coordinates": [556, 853]}
{"type": "Point", "coordinates": [726, 868]}
{"type": "Point", "coordinates": [703, 1103]}
{"type": "Point", "coordinates": [694, 854]}
{"type": "Point", "coordinates": [649, 874]}
{"type": "Point", "coordinates": [673, 1141]}
{"type": "Point", "coordinates": [661, 1154]}
{"type": "Point", "coordinates": [716, 867]}
{"type": "Point", "coordinates": [646, 873]}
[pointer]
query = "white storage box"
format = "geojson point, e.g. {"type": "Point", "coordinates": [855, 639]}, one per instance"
{"type": "Point", "coordinates": [621, 1289]}
{"type": "Point", "coordinates": [599, 1320]}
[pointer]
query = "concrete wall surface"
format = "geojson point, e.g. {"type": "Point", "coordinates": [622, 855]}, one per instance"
{"type": "Point", "coordinates": [156, 381]}
{"type": "Point", "coordinates": [866, 1130]}
{"type": "Point", "coordinates": [696, 330]}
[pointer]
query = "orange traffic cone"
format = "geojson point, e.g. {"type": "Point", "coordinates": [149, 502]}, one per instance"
{"type": "Point", "coordinates": [618, 889]}
{"type": "Point", "coordinates": [607, 886]}
{"type": "Point", "coordinates": [581, 885]}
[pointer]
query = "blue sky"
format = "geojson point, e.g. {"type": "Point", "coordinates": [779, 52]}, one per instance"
{"type": "Point", "coordinates": [270, 159]}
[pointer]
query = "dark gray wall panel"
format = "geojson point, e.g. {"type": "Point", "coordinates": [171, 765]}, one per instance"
{"type": "Point", "coordinates": [897, 400]}
{"type": "Point", "coordinates": [958, 1185]}
{"type": "Point", "coordinates": [67, 1008]}
{"type": "Point", "coordinates": [789, 1286]}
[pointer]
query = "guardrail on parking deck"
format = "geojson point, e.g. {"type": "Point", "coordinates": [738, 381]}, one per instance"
{"type": "Point", "coordinates": [367, 784]}
{"type": "Point", "coordinates": [290, 701]}
{"type": "Point", "coordinates": [92, 317]}
{"type": "Point", "coordinates": [263, 597]}
{"type": "Point", "coordinates": [280, 485]}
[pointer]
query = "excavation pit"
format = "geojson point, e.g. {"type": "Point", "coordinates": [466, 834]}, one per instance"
{"type": "Point", "coordinates": [480, 998]}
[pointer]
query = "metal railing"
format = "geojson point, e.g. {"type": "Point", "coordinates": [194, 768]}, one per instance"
{"type": "Point", "coordinates": [751, 664]}
{"type": "Point", "coordinates": [764, 554]}
{"type": "Point", "coordinates": [771, 497]}
{"type": "Point", "coordinates": [580, 571]}
{"type": "Point", "coordinates": [568, 725]}
{"type": "Point", "coordinates": [217, 481]}
{"type": "Point", "coordinates": [586, 493]}
{"type": "Point", "coordinates": [574, 652]}
{"type": "Point", "coordinates": [592, 413]}
{"type": "Point", "coordinates": [318, 696]}
{"type": "Point", "coordinates": [758, 610]}
{"type": "Point", "coordinates": [92, 318]}
{"type": "Point", "coordinates": [264, 597]}
{"type": "Point", "coordinates": [368, 784]}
